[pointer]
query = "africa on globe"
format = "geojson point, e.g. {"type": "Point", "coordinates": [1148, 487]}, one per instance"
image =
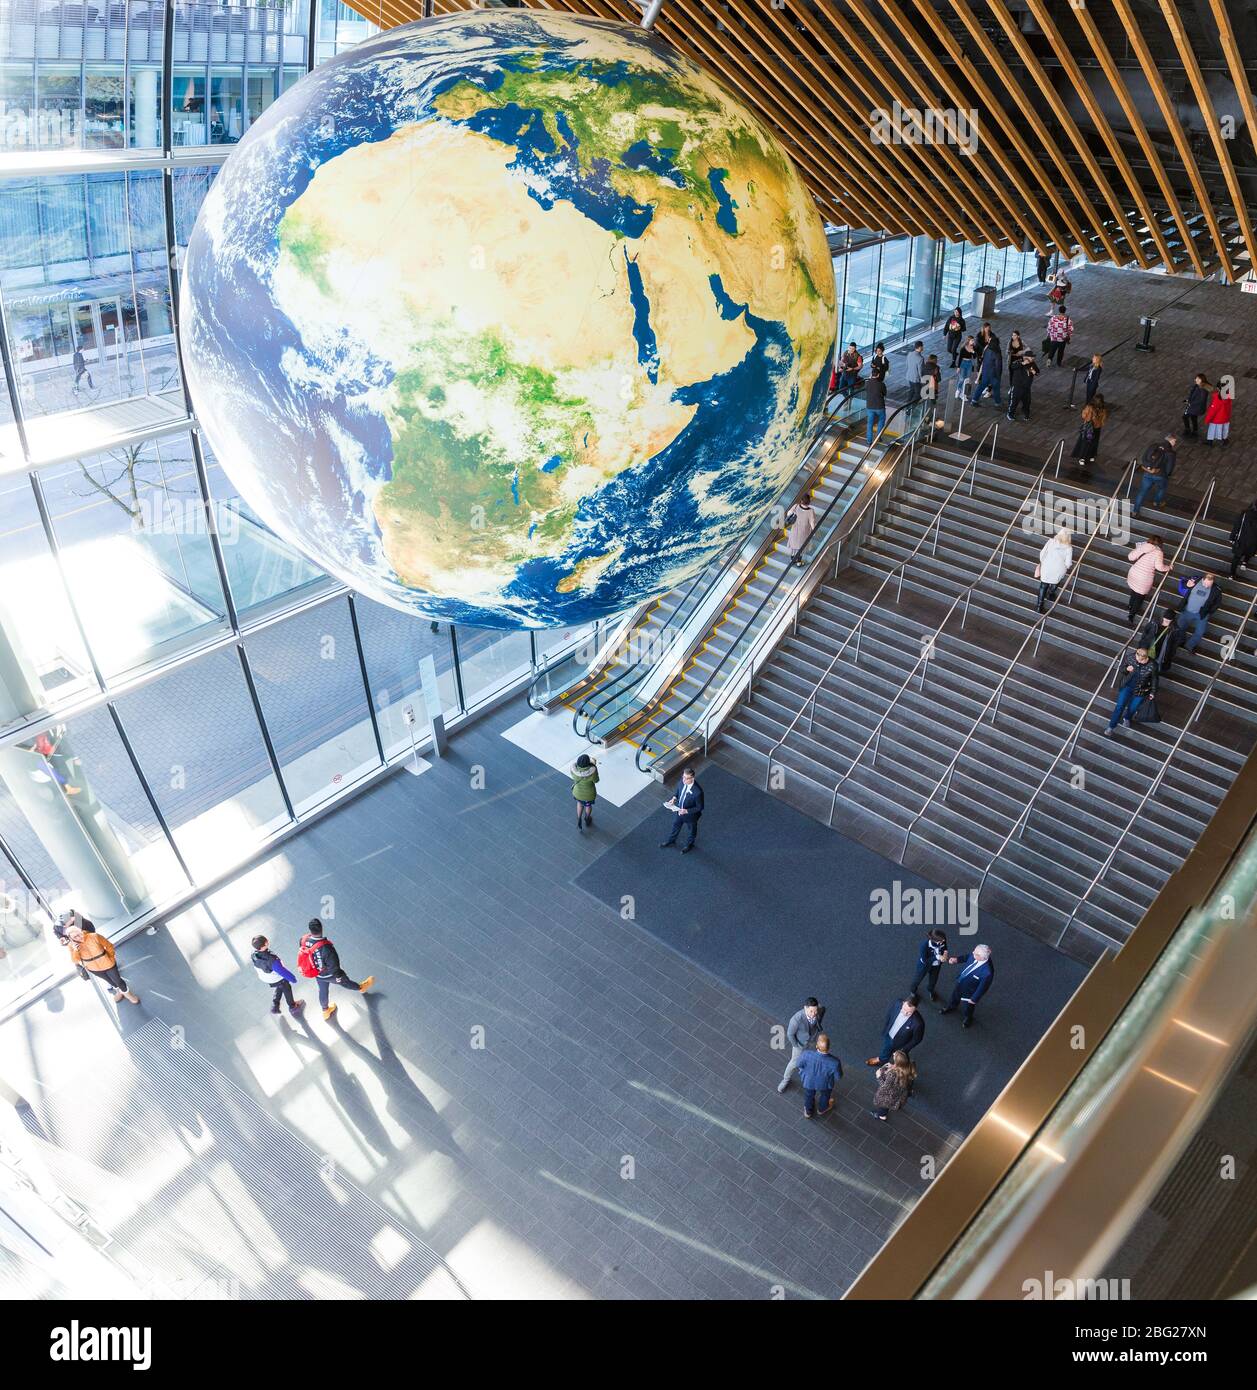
{"type": "Point", "coordinates": [509, 318]}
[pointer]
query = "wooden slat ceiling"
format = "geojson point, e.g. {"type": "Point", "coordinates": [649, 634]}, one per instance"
{"type": "Point", "coordinates": [1122, 130]}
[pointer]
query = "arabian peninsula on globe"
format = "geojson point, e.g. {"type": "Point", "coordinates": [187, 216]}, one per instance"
{"type": "Point", "coordinates": [508, 318]}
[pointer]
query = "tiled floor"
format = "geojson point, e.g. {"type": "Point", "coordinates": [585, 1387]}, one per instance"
{"type": "Point", "coordinates": [550, 1099]}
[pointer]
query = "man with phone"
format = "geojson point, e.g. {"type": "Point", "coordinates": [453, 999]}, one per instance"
{"type": "Point", "coordinates": [686, 807]}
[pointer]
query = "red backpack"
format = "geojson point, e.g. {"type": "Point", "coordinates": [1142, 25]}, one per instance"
{"type": "Point", "coordinates": [305, 956]}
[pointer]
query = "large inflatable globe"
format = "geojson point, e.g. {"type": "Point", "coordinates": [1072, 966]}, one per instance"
{"type": "Point", "coordinates": [509, 318]}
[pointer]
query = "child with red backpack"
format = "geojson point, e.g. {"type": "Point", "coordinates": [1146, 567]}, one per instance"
{"type": "Point", "coordinates": [317, 960]}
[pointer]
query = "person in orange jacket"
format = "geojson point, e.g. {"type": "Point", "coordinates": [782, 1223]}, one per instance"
{"type": "Point", "coordinates": [95, 955]}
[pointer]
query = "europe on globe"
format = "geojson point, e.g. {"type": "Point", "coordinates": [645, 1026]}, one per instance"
{"type": "Point", "coordinates": [509, 318]}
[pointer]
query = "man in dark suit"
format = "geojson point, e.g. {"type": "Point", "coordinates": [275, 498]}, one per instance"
{"type": "Point", "coordinates": [903, 1029]}
{"type": "Point", "coordinates": [687, 809]}
{"type": "Point", "coordinates": [976, 973]}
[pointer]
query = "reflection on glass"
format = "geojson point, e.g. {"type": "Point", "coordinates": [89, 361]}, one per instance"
{"type": "Point", "coordinates": [489, 659]}
{"type": "Point", "coordinates": [197, 741]}
{"type": "Point", "coordinates": [309, 683]}
{"type": "Point", "coordinates": [394, 645]}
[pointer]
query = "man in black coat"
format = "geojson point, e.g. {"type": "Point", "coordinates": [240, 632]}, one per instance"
{"type": "Point", "coordinates": [903, 1029]}
{"type": "Point", "coordinates": [687, 809]}
{"type": "Point", "coordinates": [930, 960]}
{"type": "Point", "coordinates": [1243, 539]}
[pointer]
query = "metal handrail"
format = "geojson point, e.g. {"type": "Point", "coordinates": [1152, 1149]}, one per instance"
{"type": "Point", "coordinates": [1035, 630]}
{"type": "Point", "coordinates": [927, 646]}
{"type": "Point", "coordinates": [1071, 738]}
{"type": "Point", "coordinates": [1202, 699]}
{"type": "Point", "coordinates": [810, 698]}
{"type": "Point", "coordinates": [627, 679]}
{"type": "Point", "coordinates": [856, 470]}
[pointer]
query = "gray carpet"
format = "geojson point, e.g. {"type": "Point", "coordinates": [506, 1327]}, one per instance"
{"type": "Point", "coordinates": [779, 907]}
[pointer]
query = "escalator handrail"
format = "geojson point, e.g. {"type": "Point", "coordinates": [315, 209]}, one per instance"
{"type": "Point", "coordinates": [833, 501]}
{"type": "Point", "coordinates": [622, 681]}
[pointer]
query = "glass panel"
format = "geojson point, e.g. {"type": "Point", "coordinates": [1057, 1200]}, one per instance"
{"type": "Point", "coordinates": [971, 277]}
{"type": "Point", "coordinates": [103, 115]}
{"type": "Point", "coordinates": [34, 609]}
{"type": "Point", "coordinates": [560, 639]}
{"type": "Point", "coordinates": [488, 659]}
{"type": "Point", "coordinates": [265, 573]}
{"type": "Point", "coordinates": [226, 113]}
{"type": "Point", "coordinates": [136, 552]}
{"type": "Point", "coordinates": [58, 94]}
{"type": "Point", "coordinates": [394, 644]}
{"type": "Point", "coordinates": [18, 121]}
{"type": "Point", "coordinates": [87, 291]}
{"type": "Point", "coordinates": [197, 740]}
{"type": "Point", "coordinates": [310, 685]}
{"type": "Point", "coordinates": [339, 28]}
{"type": "Point", "coordinates": [892, 290]}
{"type": "Point", "coordinates": [859, 314]}
{"type": "Point", "coordinates": [187, 117]}
{"type": "Point", "coordinates": [949, 293]}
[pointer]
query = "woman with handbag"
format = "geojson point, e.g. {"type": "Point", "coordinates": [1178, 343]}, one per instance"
{"type": "Point", "coordinates": [802, 522]}
{"type": "Point", "coordinates": [966, 358]}
{"type": "Point", "coordinates": [1055, 561]}
{"type": "Point", "coordinates": [894, 1084]}
{"type": "Point", "coordinates": [1087, 445]}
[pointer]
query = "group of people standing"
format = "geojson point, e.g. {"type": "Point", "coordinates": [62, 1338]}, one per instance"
{"type": "Point", "coordinates": [979, 358]}
{"type": "Point", "coordinates": [812, 1058]}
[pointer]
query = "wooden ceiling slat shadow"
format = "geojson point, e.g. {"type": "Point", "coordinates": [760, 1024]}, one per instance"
{"type": "Point", "coordinates": [1082, 143]}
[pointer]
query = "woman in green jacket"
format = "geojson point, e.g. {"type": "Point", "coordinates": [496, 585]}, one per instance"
{"type": "Point", "coordinates": [584, 777]}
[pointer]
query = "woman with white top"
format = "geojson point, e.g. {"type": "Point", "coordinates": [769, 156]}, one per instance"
{"type": "Point", "coordinates": [1055, 560]}
{"type": "Point", "coordinates": [802, 524]}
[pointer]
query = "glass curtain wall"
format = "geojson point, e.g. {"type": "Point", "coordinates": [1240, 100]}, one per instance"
{"type": "Point", "coordinates": [177, 684]}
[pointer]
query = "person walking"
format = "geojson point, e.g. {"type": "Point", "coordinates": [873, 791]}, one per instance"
{"type": "Point", "coordinates": [1022, 373]}
{"type": "Point", "coordinates": [687, 810]}
{"type": "Point", "coordinates": [801, 1033]}
{"type": "Point", "coordinates": [317, 959]}
{"type": "Point", "coordinates": [819, 1072]}
{"type": "Point", "coordinates": [930, 960]}
{"type": "Point", "coordinates": [1090, 426]}
{"type": "Point", "coordinates": [1147, 560]}
{"type": "Point", "coordinates": [875, 402]}
{"type": "Point", "coordinates": [894, 1084]}
{"type": "Point", "coordinates": [1091, 382]}
{"type": "Point", "coordinates": [916, 368]}
{"type": "Point", "coordinates": [79, 363]}
{"type": "Point", "coordinates": [1218, 418]}
{"type": "Point", "coordinates": [1055, 561]}
{"type": "Point", "coordinates": [1243, 539]}
{"type": "Point", "coordinates": [990, 369]}
{"type": "Point", "coordinates": [584, 775]}
{"type": "Point", "coordinates": [880, 360]}
{"type": "Point", "coordinates": [1202, 593]}
{"type": "Point", "coordinates": [1060, 329]}
{"type": "Point", "coordinates": [1061, 286]}
{"type": "Point", "coordinates": [1195, 405]}
{"type": "Point", "coordinates": [801, 524]}
{"type": "Point", "coordinates": [96, 958]}
{"type": "Point", "coordinates": [977, 972]}
{"type": "Point", "coordinates": [273, 972]}
{"type": "Point", "coordinates": [986, 336]}
{"type": "Point", "coordinates": [1157, 465]}
{"type": "Point", "coordinates": [954, 333]}
{"type": "Point", "coordinates": [1139, 683]}
{"type": "Point", "coordinates": [1161, 638]}
{"type": "Point", "coordinates": [1041, 263]}
{"type": "Point", "coordinates": [849, 365]}
{"type": "Point", "coordinates": [903, 1029]}
{"type": "Point", "coordinates": [967, 358]}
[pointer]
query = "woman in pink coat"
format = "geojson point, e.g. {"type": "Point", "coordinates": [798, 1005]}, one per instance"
{"type": "Point", "coordinates": [1218, 418]}
{"type": "Point", "coordinates": [1147, 560]}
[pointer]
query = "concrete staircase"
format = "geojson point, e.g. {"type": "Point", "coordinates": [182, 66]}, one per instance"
{"type": "Point", "coordinates": [1039, 877]}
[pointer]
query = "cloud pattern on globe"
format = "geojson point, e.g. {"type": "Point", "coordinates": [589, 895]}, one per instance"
{"type": "Point", "coordinates": [509, 318]}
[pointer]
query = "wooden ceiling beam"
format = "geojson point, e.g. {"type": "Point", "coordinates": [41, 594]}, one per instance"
{"type": "Point", "coordinates": [1032, 160]}
{"type": "Point", "coordinates": [1099, 121]}
{"type": "Point", "coordinates": [1028, 59]}
{"type": "Point", "coordinates": [1172, 124]}
{"type": "Point", "coordinates": [993, 228]}
{"type": "Point", "coordinates": [826, 182]}
{"type": "Point", "coordinates": [1181, 41]}
{"type": "Point", "coordinates": [1235, 65]}
{"type": "Point", "coordinates": [1121, 91]}
{"type": "Point", "coordinates": [984, 175]}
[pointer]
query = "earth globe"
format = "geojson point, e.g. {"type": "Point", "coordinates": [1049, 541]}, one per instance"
{"type": "Point", "coordinates": [509, 318]}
